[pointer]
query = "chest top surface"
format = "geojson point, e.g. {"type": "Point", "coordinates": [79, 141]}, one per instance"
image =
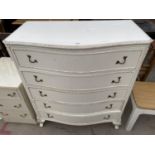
{"type": "Point", "coordinates": [9, 76]}
{"type": "Point", "coordinates": [78, 34]}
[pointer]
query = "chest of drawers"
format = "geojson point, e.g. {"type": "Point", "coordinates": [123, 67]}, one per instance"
{"type": "Point", "coordinates": [14, 103]}
{"type": "Point", "coordinates": [81, 72]}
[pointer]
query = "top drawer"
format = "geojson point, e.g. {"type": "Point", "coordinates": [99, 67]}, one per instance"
{"type": "Point", "coordinates": [80, 61]}
{"type": "Point", "coordinates": [9, 93]}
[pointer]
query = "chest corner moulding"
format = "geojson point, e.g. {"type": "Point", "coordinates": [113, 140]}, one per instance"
{"type": "Point", "coordinates": [78, 72]}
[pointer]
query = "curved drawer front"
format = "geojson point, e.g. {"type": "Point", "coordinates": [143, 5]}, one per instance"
{"type": "Point", "coordinates": [78, 61]}
{"type": "Point", "coordinates": [10, 105]}
{"type": "Point", "coordinates": [71, 82]}
{"type": "Point", "coordinates": [81, 119]}
{"type": "Point", "coordinates": [79, 108]}
{"type": "Point", "coordinates": [78, 98]}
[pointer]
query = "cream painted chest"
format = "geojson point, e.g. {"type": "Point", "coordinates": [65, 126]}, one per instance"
{"type": "Point", "coordinates": [81, 72]}
{"type": "Point", "coordinates": [14, 103]}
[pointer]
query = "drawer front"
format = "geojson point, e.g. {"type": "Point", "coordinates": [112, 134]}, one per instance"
{"type": "Point", "coordinates": [5, 114]}
{"type": "Point", "coordinates": [9, 94]}
{"type": "Point", "coordinates": [78, 98]}
{"type": "Point", "coordinates": [85, 82]}
{"type": "Point", "coordinates": [79, 108]}
{"type": "Point", "coordinates": [81, 119]}
{"type": "Point", "coordinates": [9, 105]}
{"type": "Point", "coordinates": [78, 61]}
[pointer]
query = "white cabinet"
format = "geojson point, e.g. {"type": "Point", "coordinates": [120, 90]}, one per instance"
{"type": "Point", "coordinates": [79, 72]}
{"type": "Point", "coordinates": [14, 103]}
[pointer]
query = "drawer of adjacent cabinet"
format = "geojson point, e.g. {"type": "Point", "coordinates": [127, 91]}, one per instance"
{"type": "Point", "coordinates": [81, 119]}
{"type": "Point", "coordinates": [15, 114]}
{"type": "Point", "coordinates": [79, 108]}
{"type": "Point", "coordinates": [9, 93]}
{"type": "Point", "coordinates": [116, 93]}
{"type": "Point", "coordinates": [9, 105]}
{"type": "Point", "coordinates": [78, 82]}
{"type": "Point", "coordinates": [78, 61]}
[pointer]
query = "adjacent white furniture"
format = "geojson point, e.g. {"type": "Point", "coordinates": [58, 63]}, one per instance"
{"type": "Point", "coordinates": [14, 103]}
{"type": "Point", "coordinates": [143, 102]}
{"type": "Point", "coordinates": [78, 72]}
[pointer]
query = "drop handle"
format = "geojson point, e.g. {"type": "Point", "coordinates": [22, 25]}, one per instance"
{"type": "Point", "coordinates": [116, 81]}
{"type": "Point", "coordinates": [36, 79]}
{"type": "Point", "coordinates": [41, 94]}
{"type": "Point", "coordinates": [46, 106]}
{"type": "Point", "coordinates": [4, 114]}
{"type": "Point", "coordinates": [109, 107]}
{"type": "Point", "coordinates": [50, 116]}
{"type": "Point", "coordinates": [30, 59]}
{"type": "Point", "coordinates": [17, 106]}
{"type": "Point", "coordinates": [106, 117]}
{"type": "Point", "coordinates": [112, 96]}
{"type": "Point", "coordinates": [23, 115]}
{"type": "Point", "coordinates": [123, 61]}
{"type": "Point", "coordinates": [12, 95]}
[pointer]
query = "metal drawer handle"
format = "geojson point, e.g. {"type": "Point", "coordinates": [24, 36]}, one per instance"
{"type": "Point", "coordinates": [41, 94]}
{"type": "Point", "coordinates": [50, 116]}
{"type": "Point", "coordinates": [23, 115]}
{"type": "Point", "coordinates": [17, 106]}
{"type": "Point", "coordinates": [123, 61]}
{"type": "Point", "coordinates": [30, 60]}
{"type": "Point", "coordinates": [12, 95]}
{"type": "Point", "coordinates": [4, 114]}
{"type": "Point", "coordinates": [36, 79]}
{"type": "Point", "coordinates": [112, 96]}
{"type": "Point", "coordinates": [1, 105]}
{"type": "Point", "coordinates": [118, 80]}
{"type": "Point", "coordinates": [109, 107]}
{"type": "Point", "coordinates": [106, 117]}
{"type": "Point", "coordinates": [46, 106]}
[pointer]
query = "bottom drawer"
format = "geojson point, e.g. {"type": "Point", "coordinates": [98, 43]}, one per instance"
{"type": "Point", "coordinates": [14, 116]}
{"type": "Point", "coordinates": [19, 120]}
{"type": "Point", "coordinates": [81, 119]}
{"type": "Point", "coordinates": [79, 108]}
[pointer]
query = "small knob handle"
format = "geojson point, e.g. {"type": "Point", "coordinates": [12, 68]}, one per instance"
{"type": "Point", "coordinates": [116, 81]}
{"type": "Point", "coordinates": [36, 79]}
{"type": "Point", "coordinates": [109, 107]}
{"type": "Point", "coordinates": [50, 116]}
{"type": "Point", "coordinates": [1, 105]}
{"type": "Point", "coordinates": [106, 117]}
{"type": "Point", "coordinates": [23, 115]}
{"type": "Point", "coordinates": [17, 106]}
{"type": "Point", "coordinates": [112, 96]}
{"type": "Point", "coordinates": [12, 95]}
{"type": "Point", "coordinates": [46, 106]}
{"type": "Point", "coordinates": [30, 59]}
{"type": "Point", "coordinates": [123, 61]}
{"type": "Point", "coordinates": [41, 94]}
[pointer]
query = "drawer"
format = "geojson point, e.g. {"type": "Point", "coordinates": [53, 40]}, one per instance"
{"type": "Point", "coordinates": [79, 108]}
{"type": "Point", "coordinates": [19, 120]}
{"type": "Point", "coordinates": [9, 93]}
{"type": "Point", "coordinates": [81, 119]}
{"type": "Point", "coordinates": [116, 93]}
{"type": "Point", "coordinates": [78, 61]}
{"type": "Point", "coordinates": [9, 105]}
{"type": "Point", "coordinates": [15, 114]}
{"type": "Point", "coordinates": [76, 82]}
